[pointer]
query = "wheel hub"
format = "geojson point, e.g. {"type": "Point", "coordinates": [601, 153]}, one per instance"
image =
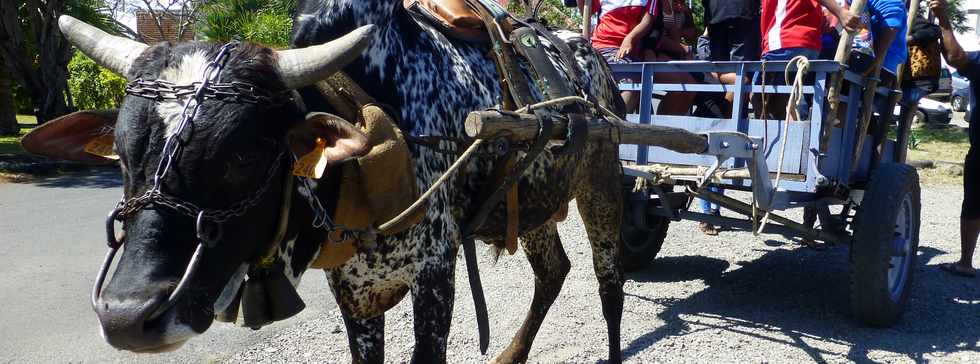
{"type": "Point", "coordinates": [899, 266]}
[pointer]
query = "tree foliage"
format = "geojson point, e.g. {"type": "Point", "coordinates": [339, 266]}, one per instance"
{"type": "Point", "coordinates": [267, 22]}
{"type": "Point", "coordinates": [94, 87]}
{"type": "Point", "coordinates": [36, 55]}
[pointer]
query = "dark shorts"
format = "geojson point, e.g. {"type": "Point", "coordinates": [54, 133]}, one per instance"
{"type": "Point", "coordinates": [609, 54]}
{"type": "Point", "coordinates": [971, 178]}
{"type": "Point", "coordinates": [734, 40]}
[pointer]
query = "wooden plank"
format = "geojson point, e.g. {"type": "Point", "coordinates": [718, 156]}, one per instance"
{"type": "Point", "coordinates": [524, 127]}
{"type": "Point", "coordinates": [770, 130]}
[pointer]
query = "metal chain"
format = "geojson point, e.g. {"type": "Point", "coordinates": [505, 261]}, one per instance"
{"type": "Point", "coordinates": [207, 88]}
{"type": "Point", "coordinates": [235, 91]}
{"type": "Point", "coordinates": [192, 210]}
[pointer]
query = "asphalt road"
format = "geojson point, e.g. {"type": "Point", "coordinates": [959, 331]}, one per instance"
{"type": "Point", "coordinates": [730, 298]}
{"type": "Point", "coordinates": [52, 241]}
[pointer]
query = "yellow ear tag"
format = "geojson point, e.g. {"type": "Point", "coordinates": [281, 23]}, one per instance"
{"type": "Point", "coordinates": [101, 146]}
{"type": "Point", "coordinates": [313, 163]}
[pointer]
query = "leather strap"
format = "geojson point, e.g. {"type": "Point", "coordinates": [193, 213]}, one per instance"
{"type": "Point", "coordinates": [513, 212]}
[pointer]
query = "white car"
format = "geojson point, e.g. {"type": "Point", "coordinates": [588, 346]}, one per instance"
{"type": "Point", "coordinates": [930, 112]}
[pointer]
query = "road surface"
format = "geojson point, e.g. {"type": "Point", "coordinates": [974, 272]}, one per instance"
{"type": "Point", "coordinates": [52, 240]}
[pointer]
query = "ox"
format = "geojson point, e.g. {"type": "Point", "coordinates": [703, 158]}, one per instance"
{"type": "Point", "coordinates": [431, 83]}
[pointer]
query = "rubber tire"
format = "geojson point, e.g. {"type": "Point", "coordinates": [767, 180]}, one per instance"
{"type": "Point", "coordinates": [957, 104]}
{"type": "Point", "coordinates": [641, 244]}
{"type": "Point", "coordinates": [871, 250]}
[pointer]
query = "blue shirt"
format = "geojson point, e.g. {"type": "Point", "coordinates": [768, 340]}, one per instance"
{"type": "Point", "coordinates": [890, 14]}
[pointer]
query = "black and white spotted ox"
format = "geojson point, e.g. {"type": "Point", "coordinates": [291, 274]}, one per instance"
{"type": "Point", "coordinates": [432, 83]}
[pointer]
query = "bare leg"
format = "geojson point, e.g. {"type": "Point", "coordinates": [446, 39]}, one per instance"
{"type": "Point", "coordinates": [969, 230]}
{"type": "Point", "coordinates": [550, 264]}
{"type": "Point", "coordinates": [631, 99]}
{"type": "Point", "coordinates": [366, 339]}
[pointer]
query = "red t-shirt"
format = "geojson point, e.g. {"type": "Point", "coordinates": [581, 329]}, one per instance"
{"type": "Point", "coordinates": [617, 18]}
{"type": "Point", "coordinates": [791, 24]}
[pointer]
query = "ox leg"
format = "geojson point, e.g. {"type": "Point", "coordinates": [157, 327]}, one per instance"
{"type": "Point", "coordinates": [550, 264]}
{"type": "Point", "coordinates": [366, 339]}
{"type": "Point", "coordinates": [432, 305]}
{"type": "Point", "coordinates": [601, 205]}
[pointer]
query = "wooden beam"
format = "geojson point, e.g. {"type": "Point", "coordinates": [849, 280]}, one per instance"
{"type": "Point", "coordinates": [524, 127]}
{"type": "Point", "coordinates": [837, 80]}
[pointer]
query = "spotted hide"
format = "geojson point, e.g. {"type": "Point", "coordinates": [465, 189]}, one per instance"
{"type": "Point", "coordinates": [432, 83]}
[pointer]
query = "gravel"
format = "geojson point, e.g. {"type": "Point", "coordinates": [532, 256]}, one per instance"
{"type": "Point", "coordinates": [730, 298]}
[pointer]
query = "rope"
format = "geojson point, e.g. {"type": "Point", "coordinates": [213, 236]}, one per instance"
{"type": "Point", "coordinates": [428, 193]}
{"type": "Point", "coordinates": [795, 95]}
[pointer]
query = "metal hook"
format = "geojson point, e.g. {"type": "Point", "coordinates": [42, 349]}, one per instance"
{"type": "Point", "coordinates": [207, 237]}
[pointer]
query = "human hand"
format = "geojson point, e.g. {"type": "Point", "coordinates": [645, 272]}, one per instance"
{"type": "Point", "coordinates": [625, 48]}
{"type": "Point", "coordinates": [850, 21]}
{"type": "Point", "coordinates": [623, 52]}
{"type": "Point", "coordinates": [938, 7]}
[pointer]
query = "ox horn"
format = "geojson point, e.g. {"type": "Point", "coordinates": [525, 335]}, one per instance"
{"type": "Point", "coordinates": [112, 52]}
{"type": "Point", "coordinates": [306, 66]}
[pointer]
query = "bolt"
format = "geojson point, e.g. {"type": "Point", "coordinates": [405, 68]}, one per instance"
{"type": "Point", "coordinates": [724, 145]}
{"type": "Point", "coordinates": [751, 146]}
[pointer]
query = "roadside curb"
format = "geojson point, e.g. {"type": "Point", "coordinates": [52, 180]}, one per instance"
{"type": "Point", "coordinates": [36, 165]}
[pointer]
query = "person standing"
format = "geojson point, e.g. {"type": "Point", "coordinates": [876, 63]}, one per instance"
{"type": "Point", "coordinates": [968, 65]}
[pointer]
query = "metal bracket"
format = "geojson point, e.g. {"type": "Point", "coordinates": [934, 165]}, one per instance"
{"type": "Point", "coordinates": [727, 145]}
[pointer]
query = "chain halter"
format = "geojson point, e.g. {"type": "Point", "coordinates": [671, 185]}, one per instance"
{"type": "Point", "coordinates": [207, 88]}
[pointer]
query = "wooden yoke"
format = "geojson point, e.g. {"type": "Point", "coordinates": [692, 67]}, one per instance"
{"type": "Point", "coordinates": [837, 80]}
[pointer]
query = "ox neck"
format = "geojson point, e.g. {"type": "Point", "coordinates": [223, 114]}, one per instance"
{"type": "Point", "coordinates": [318, 21]}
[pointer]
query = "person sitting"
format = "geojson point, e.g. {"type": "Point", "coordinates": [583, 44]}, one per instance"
{"type": "Point", "coordinates": [616, 19]}
{"type": "Point", "coordinates": [924, 63]}
{"type": "Point", "coordinates": [732, 27]}
{"type": "Point", "coordinates": [792, 28]}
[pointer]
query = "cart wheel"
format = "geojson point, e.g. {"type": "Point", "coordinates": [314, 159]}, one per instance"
{"type": "Point", "coordinates": [642, 236]}
{"type": "Point", "coordinates": [886, 238]}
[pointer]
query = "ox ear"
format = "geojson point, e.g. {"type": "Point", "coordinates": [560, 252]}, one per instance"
{"type": "Point", "coordinates": [325, 140]}
{"type": "Point", "coordinates": [83, 136]}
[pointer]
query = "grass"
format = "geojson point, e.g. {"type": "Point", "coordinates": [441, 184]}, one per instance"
{"type": "Point", "coordinates": [948, 144]}
{"type": "Point", "coordinates": [11, 143]}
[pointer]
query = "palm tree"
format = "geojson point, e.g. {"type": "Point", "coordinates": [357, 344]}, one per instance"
{"type": "Point", "coordinates": [267, 22]}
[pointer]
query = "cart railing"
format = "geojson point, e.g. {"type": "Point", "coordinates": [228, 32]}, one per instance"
{"type": "Point", "coordinates": [804, 166]}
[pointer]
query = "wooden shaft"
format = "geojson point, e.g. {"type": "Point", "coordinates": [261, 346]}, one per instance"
{"type": "Point", "coordinates": [587, 19]}
{"type": "Point", "coordinates": [524, 127]}
{"type": "Point", "coordinates": [837, 79]}
{"type": "Point", "coordinates": [867, 103]}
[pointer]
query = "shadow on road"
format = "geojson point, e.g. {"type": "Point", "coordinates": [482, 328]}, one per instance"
{"type": "Point", "coordinates": [800, 296]}
{"type": "Point", "coordinates": [93, 178]}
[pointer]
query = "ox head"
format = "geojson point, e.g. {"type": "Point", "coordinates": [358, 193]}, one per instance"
{"type": "Point", "coordinates": [227, 153]}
